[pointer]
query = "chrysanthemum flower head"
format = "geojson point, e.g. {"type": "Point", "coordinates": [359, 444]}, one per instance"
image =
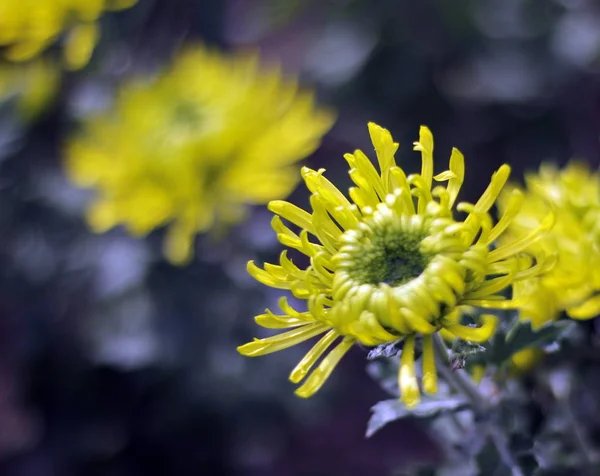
{"type": "Point", "coordinates": [27, 27]}
{"type": "Point", "coordinates": [29, 86]}
{"type": "Point", "coordinates": [574, 283]}
{"type": "Point", "coordinates": [195, 146]}
{"type": "Point", "coordinates": [391, 262]}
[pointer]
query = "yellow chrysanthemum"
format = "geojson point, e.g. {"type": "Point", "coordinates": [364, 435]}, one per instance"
{"type": "Point", "coordinates": [30, 86]}
{"type": "Point", "coordinates": [195, 146]}
{"type": "Point", "coordinates": [393, 263]}
{"type": "Point", "coordinates": [574, 283]}
{"type": "Point", "coordinates": [29, 26]}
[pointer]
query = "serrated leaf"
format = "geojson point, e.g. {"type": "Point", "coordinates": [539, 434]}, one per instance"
{"type": "Point", "coordinates": [385, 350]}
{"type": "Point", "coordinates": [387, 411]}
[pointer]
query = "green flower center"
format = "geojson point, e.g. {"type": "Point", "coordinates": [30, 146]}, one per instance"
{"type": "Point", "coordinates": [186, 114]}
{"type": "Point", "coordinates": [387, 255]}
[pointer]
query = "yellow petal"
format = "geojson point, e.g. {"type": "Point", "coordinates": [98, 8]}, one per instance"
{"type": "Point", "coordinates": [318, 377]}
{"type": "Point", "coordinates": [312, 356]}
{"type": "Point", "coordinates": [80, 45]}
{"type": "Point", "coordinates": [429, 369]}
{"type": "Point", "coordinates": [407, 378]}
{"type": "Point", "coordinates": [292, 213]}
{"type": "Point", "coordinates": [425, 145]}
{"type": "Point", "coordinates": [282, 341]}
{"type": "Point", "coordinates": [587, 310]}
{"type": "Point", "coordinates": [474, 334]}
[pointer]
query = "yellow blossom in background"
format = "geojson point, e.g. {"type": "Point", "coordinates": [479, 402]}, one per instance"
{"type": "Point", "coordinates": [30, 86]}
{"type": "Point", "coordinates": [27, 27]}
{"type": "Point", "coordinates": [392, 262]}
{"type": "Point", "coordinates": [573, 285]}
{"type": "Point", "coordinates": [525, 360]}
{"type": "Point", "coordinates": [194, 146]}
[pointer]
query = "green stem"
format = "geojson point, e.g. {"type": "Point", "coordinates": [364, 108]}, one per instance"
{"type": "Point", "coordinates": [458, 379]}
{"type": "Point", "coordinates": [462, 383]}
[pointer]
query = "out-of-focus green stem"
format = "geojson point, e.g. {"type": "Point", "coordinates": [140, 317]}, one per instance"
{"type": "Point", "coordinates": [462, 383]}
{"type": "Point", "coordinates": [458, 379]}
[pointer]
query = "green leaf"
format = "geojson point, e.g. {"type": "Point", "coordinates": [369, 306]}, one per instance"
{"type": "Point", "coordinates": [387, 411]}
{"type": "Point", "coordinates": [385, 350]}
{"type": "Point", "coordinates": [521, 337]}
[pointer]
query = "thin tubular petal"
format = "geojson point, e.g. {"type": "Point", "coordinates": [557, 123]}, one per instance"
{"type": "Point", "coordinates": [474, 334]}
{"type": "Point", "coordinates": [544, 264]}
{"type": "Point", "coordinates": [497, 182]}
{"type": "Point", "coordinates": [491, 287]}
{"type": "Point", "coordinates": [375, 329]}
{"type": "Point", "coordinates": [315, 182]}
{"type": "Point", "coordinates": [311, 357]}
{"type": "Point", "coordinates": [425, 145]}
{"type": "Point", "coordinates": [399, 177]}
{"type": "Point", "coordinates": [520, 244]}
{"type": "Point", "coordinates": [291, 213]}
{"type": "Point", "coordinates": [274, 321]}
{"type": "Point", "coordinates": [417, 322]}
{"type": "Point", "coordinates": [515, 203]}
{"type": "Point", "coordinates": [266, 278]}
{"type": "Point", "coordinates": [407, 378]}
{"type": "Point", "coordinates": [457, 166]}
{"type": "Point", "coordinates": [429, 370]}
{"type": "Point", "coordinates": [500, 304]}
{"type": "Point", "coordinates": [385, 147]}
{"type": "Point", "coordinates": [282, 341]}
{"type": "Point", "coordinates": [318, 377]}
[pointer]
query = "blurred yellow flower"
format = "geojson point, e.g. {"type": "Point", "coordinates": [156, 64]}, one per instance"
{"type": "Point", "coordinates": [30, 86]}
{"type": "Point", "coordinates": [195, 146]}
{"type": "Point", "coordinates": [29, 26]}
{"type": "Point", "coordinates": [574, 283]}
{"type": "Point", "coordinates": [390, 264]}
{"type": "Point", "coordinates": [525, 360]}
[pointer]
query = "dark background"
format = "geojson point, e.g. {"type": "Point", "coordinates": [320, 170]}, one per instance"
{"type": "Point", "coordinates": [114, 363]}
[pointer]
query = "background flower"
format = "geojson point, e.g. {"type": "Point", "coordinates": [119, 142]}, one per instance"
{"type": "Point", "coordinates": [194, 146]}
{"type": "Point", "coordinates": [29, 26]}
{"type": "Point", "coordinates": [573, 194]}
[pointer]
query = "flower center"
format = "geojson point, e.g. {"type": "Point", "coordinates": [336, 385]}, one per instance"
{"type": "Point", "coordinates": [385, 252]}
{"type": "Point", "coordinates": [389, 258]}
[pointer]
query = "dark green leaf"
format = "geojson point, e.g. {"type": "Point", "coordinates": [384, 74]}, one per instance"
{"type": "Point", "coordinates": [522, 336]}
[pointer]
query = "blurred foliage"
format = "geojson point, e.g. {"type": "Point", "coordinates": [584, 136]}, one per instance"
{"type": "Point", "coordinates": [538, 414]}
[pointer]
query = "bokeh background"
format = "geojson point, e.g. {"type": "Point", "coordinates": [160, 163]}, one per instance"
{"type": "Point", "coordinates": [114, 362]}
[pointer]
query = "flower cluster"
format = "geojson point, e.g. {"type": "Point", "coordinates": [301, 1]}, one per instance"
{"type": "Point", "coordinates": [573, 285]}
{"type": "Point", "coordinates": [392, 262]}
{"type": "Point", "coordinates": [195, 145]}
{"type": "Point", "coordinates": [29, 26]}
